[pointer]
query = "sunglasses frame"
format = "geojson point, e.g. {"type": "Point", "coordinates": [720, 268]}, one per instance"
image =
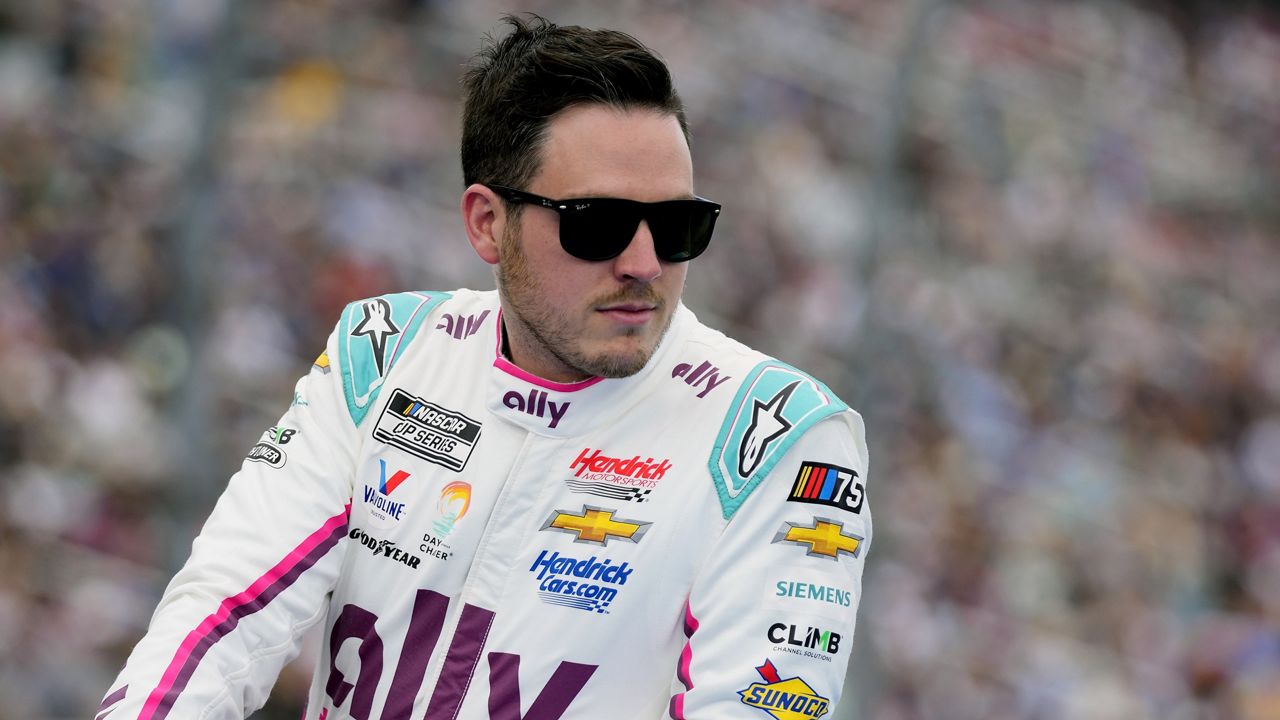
{"type": "Point", "coordinates": [571, 206]}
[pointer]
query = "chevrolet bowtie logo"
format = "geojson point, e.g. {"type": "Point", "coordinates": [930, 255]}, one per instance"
{"type": "Point", "coordinates": [825, 538]}
{"type": "Point", "coordinates": [595, 525]}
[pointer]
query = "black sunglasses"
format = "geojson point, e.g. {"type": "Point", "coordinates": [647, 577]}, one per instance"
{"type": "Point", "coordinates": [601, 228]}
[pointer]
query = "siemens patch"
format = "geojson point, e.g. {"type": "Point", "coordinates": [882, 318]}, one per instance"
{"type": "Point", "coordinates": [773, 408]}
{"type": "Point", "coordinates": [424, 429]}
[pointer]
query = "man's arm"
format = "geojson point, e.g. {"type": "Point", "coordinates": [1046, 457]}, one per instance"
{"type": "Point", "coordinates": [259, 572]}
{"type": "Point", "coordinates": [770, 618]}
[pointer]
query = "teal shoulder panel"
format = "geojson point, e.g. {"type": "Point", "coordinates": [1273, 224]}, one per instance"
{"type": "Point", "coordinates": [372, 335]}
{"type": "Point", "coordinates": [774, 406]}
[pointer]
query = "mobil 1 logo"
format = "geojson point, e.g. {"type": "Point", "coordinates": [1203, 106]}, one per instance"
{"type": "Point", "coordinates": [433, 433]}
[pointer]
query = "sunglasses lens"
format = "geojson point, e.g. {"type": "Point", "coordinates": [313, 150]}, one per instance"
{"type": "Point", "coordinates": [682, 229]}
{"type": "Point", "coordinates": [602, 228]}
{"type": "Point", "coordinates": [598, 231]}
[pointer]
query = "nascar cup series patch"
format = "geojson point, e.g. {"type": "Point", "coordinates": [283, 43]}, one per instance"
{"type": "Point", "coordinates": [790, 699]}
{"type": "Point", "coordinates": [774, 406]}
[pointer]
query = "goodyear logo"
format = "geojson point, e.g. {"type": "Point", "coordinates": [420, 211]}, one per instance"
{"type": "Point", "coordinates": [790, 699]}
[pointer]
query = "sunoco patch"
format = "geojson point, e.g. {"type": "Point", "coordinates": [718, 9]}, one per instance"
{"type": "Point", "coordinates": [426, 430]}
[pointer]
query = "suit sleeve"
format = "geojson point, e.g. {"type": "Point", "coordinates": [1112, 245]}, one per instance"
{"type": "Point", "coordinates": [770, 618]}
{"type": "Point", "coordinates": [258, 574]}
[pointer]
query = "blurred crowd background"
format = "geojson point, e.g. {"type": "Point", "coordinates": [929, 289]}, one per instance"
{"type": "Point", "coordinates": [1036, 244]}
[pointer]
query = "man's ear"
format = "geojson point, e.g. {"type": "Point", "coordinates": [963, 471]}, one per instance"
{"type": "Point", "coordinates": [485, 219]}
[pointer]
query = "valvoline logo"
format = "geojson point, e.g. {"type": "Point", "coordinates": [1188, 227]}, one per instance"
{"type": "Point", "coordinates": [378, 499]}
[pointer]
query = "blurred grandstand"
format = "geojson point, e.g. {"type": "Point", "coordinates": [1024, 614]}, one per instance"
{"type": "Point", "coordinates": [1037, 244]}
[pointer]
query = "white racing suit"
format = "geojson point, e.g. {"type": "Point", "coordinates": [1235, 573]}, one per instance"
{"type": "Point", "coordinates": [484, 544]}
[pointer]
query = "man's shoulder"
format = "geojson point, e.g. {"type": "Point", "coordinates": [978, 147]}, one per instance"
{"type": "Point", "coordinates": [374, 333]}
{"type": "Point", "coordinates": [773, 404]}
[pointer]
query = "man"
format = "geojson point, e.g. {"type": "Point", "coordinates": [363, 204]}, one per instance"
{"type": "Point", "coordinates": [565, 499]}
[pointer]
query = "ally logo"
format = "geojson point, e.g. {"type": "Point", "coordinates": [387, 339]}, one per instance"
{"type": "Point", "coordinates": [774, 406]}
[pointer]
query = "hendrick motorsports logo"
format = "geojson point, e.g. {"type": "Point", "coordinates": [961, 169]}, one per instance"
{"type": "Point", "coordinates": [424, 429]}
{"type": "Point", "coordinates": [618, 478]}
{"type": "Point", "coordinates": [589, 584]}
{"type": "Point", "coordinates": [790, 699]}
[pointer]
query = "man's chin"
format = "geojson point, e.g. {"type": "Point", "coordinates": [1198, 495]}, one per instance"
{"type": "Point", "coordinates": [618, 362]}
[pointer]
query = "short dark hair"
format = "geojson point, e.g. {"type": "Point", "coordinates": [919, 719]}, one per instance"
{"type": "Point", "coordinates": [515, 86]}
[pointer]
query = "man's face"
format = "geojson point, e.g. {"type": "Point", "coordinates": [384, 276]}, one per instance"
{"type": "Point", "coordinates": [566, 318]}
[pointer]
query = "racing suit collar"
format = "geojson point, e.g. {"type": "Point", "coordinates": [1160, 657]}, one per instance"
{"type": "Point", "coordinates": [568, 409]}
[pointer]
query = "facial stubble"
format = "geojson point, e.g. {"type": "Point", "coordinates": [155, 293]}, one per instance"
{"type": "Point", "coordinates": [521, 292]}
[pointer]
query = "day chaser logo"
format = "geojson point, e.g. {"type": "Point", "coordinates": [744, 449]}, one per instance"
{"type": "Point", "coordinates": [455, 499]}
{"type": "Point", "coordinates": [595, 525]}
{"type": "Point", "coordinates": [384, 548]}
{"type": "Point", "coordinates": [767, 425]}
{"type": "Point", "coordinates": [428, 431]}
{"type": "Point", "coordinates": [379, 499]}
{"type": "Point", "coordinates": [378, 327]}
{"type": "Point", "coordinates": [616, 478]}
{"type": "Point", "coordinates": [589, 584]}
{"type": "Point", "coordinates": [825, 538]}
{"type": "Point", "coordinates": [807, 642]}
{"type": "Point", "coordinates": [790, 699]}
{"type": "Point", "coordinates": [830, 485]}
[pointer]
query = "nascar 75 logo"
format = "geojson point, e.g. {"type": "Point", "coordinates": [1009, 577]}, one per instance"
{"type": "Point", "coordinates": [830, 485]}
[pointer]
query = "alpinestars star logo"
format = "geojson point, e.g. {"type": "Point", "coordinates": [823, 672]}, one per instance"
{"type": "Point", "coordinates": [377, 326]}
{"type": "Point", "coordinates": [767, 425]}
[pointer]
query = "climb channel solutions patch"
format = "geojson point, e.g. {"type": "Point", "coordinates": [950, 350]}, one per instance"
{"type": "Point", "coordinates": [789, 699]}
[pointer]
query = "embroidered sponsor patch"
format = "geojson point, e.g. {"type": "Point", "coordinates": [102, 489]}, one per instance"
{"type": "Point", "coordinates": [426, 430]}
{"type": "Point", "coordinates": [831, 485]}
{"type": "Point", "coordinates": [785, 699]}
{"type": "Point", "coordinates": [811, 593]}
{"type": "Point", "coordinates": [632, 479]}
{"type": "Point", "coordinates": [384, 548]}
{"type": "Point", "coordinates": [455, 500]}
{"type": "Point", "coordinates": [269, 453]}
{"type": "Point", "coordinates": [804, 640]}
{"type": "Point", "coordinates": [588, 584]}
{"type": "Point", "coordinates": [383, 504]}
{"type": "Point", "coordinates": [824, 538]}
{"type": "Point", "coordinates": [595, 525]}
